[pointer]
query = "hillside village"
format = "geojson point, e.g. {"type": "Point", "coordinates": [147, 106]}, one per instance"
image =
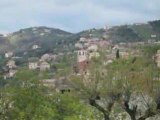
{"type": "Point", "coordinates": [85, 49]}
{"type": "Point", "coordinates": [80, 60]}
{"type": "Point", "coordinates": [93, 66]}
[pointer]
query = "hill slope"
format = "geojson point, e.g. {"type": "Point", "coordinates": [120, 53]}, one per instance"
{"type": "Point", "coordinates": [51, 38]}
{"type": "Point", "coordinates": [42, 36]}
{"type": "Point", "coordinates": [4, 44]}
{"type": "Point", "coordinates": [127, 33]}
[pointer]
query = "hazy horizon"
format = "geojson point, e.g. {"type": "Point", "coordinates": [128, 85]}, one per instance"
{"type": "Point", "coordinates": [75, 16]}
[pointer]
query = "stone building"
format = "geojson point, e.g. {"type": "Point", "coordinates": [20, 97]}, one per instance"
{"type": "Point", "coordinates": [44, 66]}
{"type": "Point", "coordinates": [93, 48]}
{"type": "Point", "coordinates": [33, 65]}
{"type": "Point", "coordinates": [82, 60]}
{"type": "Point", "coordinates": [46, 57]}
{"type": "Point", "coordinates": [94, 55]}
{"type": "Point", "coordinates": [158, 58]}
{"type": "Point", "coordinates": [10, 74]}
{"type": "Point", "coordinates": [11, 64]}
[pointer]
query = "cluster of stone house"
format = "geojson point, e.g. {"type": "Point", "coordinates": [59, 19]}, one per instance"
{"type": "Point", "coordinates": [36, 64]}
{"type": "Point", "coordinates": [41, 64]}
{"type": "Point", "coordinates": [59, 85]}
{"type": "Point", "coordinates": [88, 48]}
{"type": "Point", "coordinates": [87, 42]}
{"type": "Point", "coordinates": [111, 53]}
{"type": "Point", "coordinates": [11, 68]}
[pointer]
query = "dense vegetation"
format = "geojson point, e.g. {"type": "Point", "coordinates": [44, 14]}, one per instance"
{"type": "Point", "coordinates": [124, 34]}
{"type": "Point", "coordinates": [125, 88]}
{"type": "Point", "coordinates": [109, 92]}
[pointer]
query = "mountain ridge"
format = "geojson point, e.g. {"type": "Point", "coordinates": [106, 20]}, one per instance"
{"type": "Point", "coordinates": [51, 38]}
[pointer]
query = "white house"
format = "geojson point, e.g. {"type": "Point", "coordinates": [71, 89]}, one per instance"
{"type": "Point", "coordinates": [108, 62]}
{"type": "Point", "coordinates": [79, 45]}
{"type": "Point", "coordinates": [82, 39]}
{"type": "Point", "coordinates": [34, 47]}
{"type": "Point", "coordinates": [12, 73]}
{"type": "Point", "coordinates": [49, 82]}
{"type": "Point", "coordinates": [93, 48]}
{"type": "Point", "coordinates": [94, 55]}
{"type": "Point", "coordinates": [8, 54]}
{"type": "Point", "coordinates": [153, 36]}
{"type": "Point", "coordinates": [33, 65]}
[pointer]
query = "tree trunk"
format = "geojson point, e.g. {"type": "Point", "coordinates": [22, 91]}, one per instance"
{"type": "Point", "coordinates": [133, 116]}
{"type": "Point", "coordinates": [106, 117]}
{"type": "Point", "coordinates": [100, 108]}
{"type": "Point", "coordinates": [131, 112]}
{"type": "Point", "coordinates": [158, 102]}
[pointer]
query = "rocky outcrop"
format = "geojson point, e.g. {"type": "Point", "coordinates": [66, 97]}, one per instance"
{"type": "Point", "coordinates": [156, 117]}
{"type": "Point", "coordinates": [118, 113]}
{"type": "Point", "coordinates": [142, 102]}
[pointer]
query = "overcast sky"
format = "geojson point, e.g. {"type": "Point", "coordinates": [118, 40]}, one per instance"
{"type": "Point", "coordinates": [75, 15]}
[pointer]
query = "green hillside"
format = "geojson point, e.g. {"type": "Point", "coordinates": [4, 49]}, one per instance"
{"type": "Point", "coordinates": [59, 40]}
{"type": "Point", "coordinates": [4, 44]}
{"type": "Point", "coordinates": [48, 38]}
{"type": "Point", "coordinates": [123, 34]}
{"type": "Point", "coordinates": [144, 30]}
{"type": "Point", "coordinates": [156, 28]}
{"type": "Point", "coordinates": [126, 33]}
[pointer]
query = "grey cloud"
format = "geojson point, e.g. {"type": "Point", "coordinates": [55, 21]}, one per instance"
{"type": "Point", "coordinates": [81, 14]}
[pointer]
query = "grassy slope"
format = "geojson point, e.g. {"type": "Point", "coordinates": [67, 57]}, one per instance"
{"type": "Point", "coordinates": [144, 30]}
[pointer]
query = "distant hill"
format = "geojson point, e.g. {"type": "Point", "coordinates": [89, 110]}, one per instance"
{"type": "Point", "coordinates": [126, 33]}
{"type": "Point", "coordinates": [51, 38]}
{"type": "Point", "coordinates": [42, 36]}
{"type": "Point", "coordinates": [4, 44]}
{"type": "Point", "coordinates": [136, 32]}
